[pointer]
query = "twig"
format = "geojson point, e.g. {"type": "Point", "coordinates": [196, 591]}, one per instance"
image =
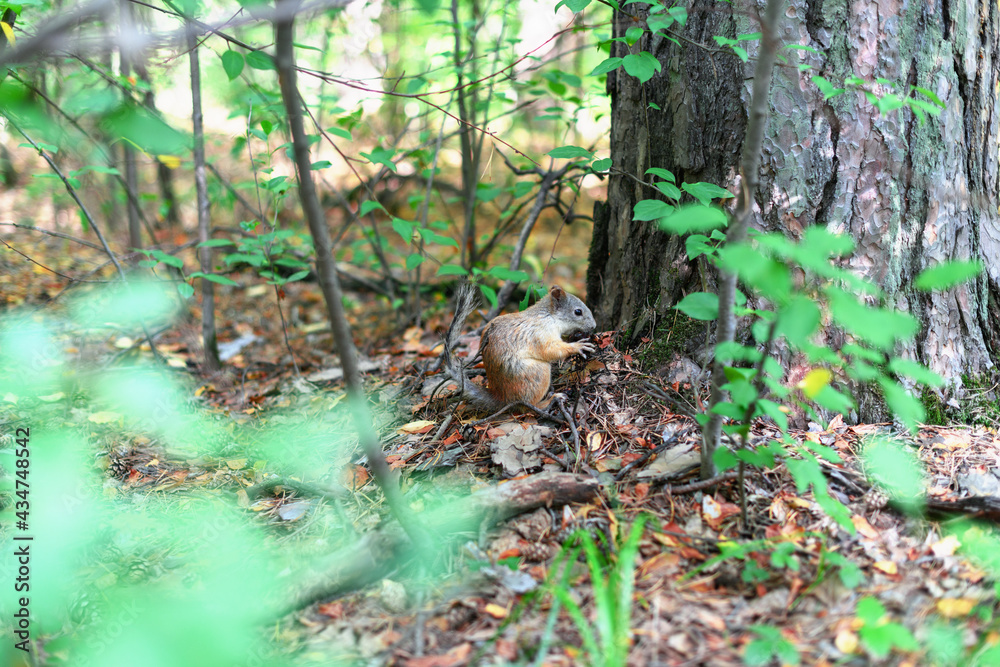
{"type": "Point", "coordinates": [37, 263]}
{"type": "Point", "coordinates": [701, 484]}
{"type": "Point", "coordinates": [235, 193]}
{"type": "Point", "coordinates": [517, 404]}
{"type": "Point", "coordinates": [557, 399]}
{"type": "Point", "coordinates": [549, 178]}
{"type": "Point", "coordinates": [52, 233]}
{"type": "Point", "coordinates": [72, 193]}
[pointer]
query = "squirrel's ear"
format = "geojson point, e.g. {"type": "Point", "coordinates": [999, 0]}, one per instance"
{"type": "Point", "coordinates": [558, 293]}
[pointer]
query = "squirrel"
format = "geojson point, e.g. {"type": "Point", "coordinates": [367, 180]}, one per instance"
{"type": "Point", "coordinates": [519, 348]}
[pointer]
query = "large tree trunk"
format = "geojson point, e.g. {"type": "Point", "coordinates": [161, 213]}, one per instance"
{"type": "Point", "coordinates": [909, 193]}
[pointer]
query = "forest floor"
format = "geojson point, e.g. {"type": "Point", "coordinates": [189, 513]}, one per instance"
{"type": "Point", "coordinates": [789, 586]}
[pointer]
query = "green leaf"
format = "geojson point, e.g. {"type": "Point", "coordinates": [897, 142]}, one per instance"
{"type": "Point", "coordinates": [833, 400]}
{"type": "Point", "coordinates": [633, 34]}
{"type": "Point", "coordinates": [602, 165]}
{"type": "Point", "coordinates": [798, 320]}
{"type": "Point", "coordinates": [487, 193]}
{"type": "Point", "coordinates": [369, 205]}
{"type": "Point", "coordinates": [570, 152]}
{"type": "Point", "coordinates": [705, 192]}
{"type": "Point", "coordinates": [658, 22]}
{"type": "Point", "coordinates": [772, 279]}
{"type": "Point", "coordinates": [723, 457]}
{"type": "Point", "coordinates": [429, 6]}
{"type": "Point", "coordinates": [697, 245]}
{"type": "Point", "coordinates": [606, 65]}
{"type": "Point", "coordinates": [169, 260]}
{"type": "Point", "coordinates": [948, 274]}
{"type": "Point", "coordinates": [488, 292]}
{"type": "Point", "coordinates": [700, 306]}
{"type": "Point", "coordinates": [651, 209]}
{"type": "Point", "coordinates": [665, 174]}
{"type": "Point", "coordinates": [930, 95]}
{"type": "Point", "coordinates": [826, 87]}
{"type": "Point", "coordinates": [802, 47]}
{"type": "Point", "coordinates": [185, 290]}
{"type": "Point", "coordinates": [147, 131]}
{"type": "Point", "coordinates": [451, 270]}
{"type": "Point", "coordinates": [382, 156]}
{"type": "Point", "coordinates": [740, 52]}
{"type": "Point", "coordinates": [915, 371]}
{"type": "Point", "coordinates": [848, 571]}
{"type": "Point", "coordinates": [774, 411]}
{"type": "Point", "coordinates": [232, 63]}
{"type": "Point", "coordinates": [889, 102]}
{"type": "Point", "coordinates": [896, 470]}
{"type": "Point", "coordinates": [694, 218]}
{"type": "Point", "coordinates": [806, 472]}
{"type": "Point", "coordinates": [880, 327]}
{"type": "Point", "coordinates": [504, 273]}
{"type": "Point", "coordinates": [442, 240]}
{"type": "Point", "coordinates": [298, 275]}
{"type": "Point", "coordinates": [669, 190]}
{"type": "Point", "coordinates": [575, 6]}
{"type": "Point", "coordinates": [221, 280]}
{"type": "Point", "coordinates": [215, 243]}
{"type": "Point", "coordinates": [404, 228]}
{"type": "Point", "coordinates": [321, 164]}
{"type": "Point", "coordinates": [413, 261]}
{"type": "Point", "coordinates": [340, 132]}
{"type": "Point", "coordinates": [260, 60]}
{"type": "Point", "coordinates": [906, 407]}
{"type": "Point", "coordinates": [642, 65]}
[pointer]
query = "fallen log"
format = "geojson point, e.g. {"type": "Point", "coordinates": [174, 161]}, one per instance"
{"type": "Point", "coordinates": [382, 550]}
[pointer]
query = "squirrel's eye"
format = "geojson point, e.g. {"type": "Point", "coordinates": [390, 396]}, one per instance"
{"type": "Point", "coordinates": [578, 312]}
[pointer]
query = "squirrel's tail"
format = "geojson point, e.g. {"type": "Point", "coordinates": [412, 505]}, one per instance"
{"type": "Point", "coordinates": [465, 303]}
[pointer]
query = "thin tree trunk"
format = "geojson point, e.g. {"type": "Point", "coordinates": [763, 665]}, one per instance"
{"type": "Point", "coordinates": [740, 223]}
{"type": "Point", "coordinates": [469, 162]}
{"type": "Point", "coordinates": [131, 170]}
{"type": "Point", "coordinates": [208, 334]}
{"type": "Point", "coordinates": [327, 275]}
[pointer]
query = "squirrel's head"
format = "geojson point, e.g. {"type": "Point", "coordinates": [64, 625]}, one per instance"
{"type": "Point", "coordinates": [580, 319]}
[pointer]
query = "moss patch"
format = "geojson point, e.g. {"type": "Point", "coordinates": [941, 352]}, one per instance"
{"type": "Point", "coordinates": [677, 335]}
{"type": "Point", "coordinates": [980, 404]}
{"type": "Point", "coordinates": [935, 410]}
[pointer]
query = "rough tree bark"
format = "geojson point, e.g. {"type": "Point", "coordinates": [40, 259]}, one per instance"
{"type": "Point", "coordinates": [909, 193]}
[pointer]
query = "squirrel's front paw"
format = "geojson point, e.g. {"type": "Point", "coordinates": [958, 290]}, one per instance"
{"type": "Point", "coordinates": [584, 347]}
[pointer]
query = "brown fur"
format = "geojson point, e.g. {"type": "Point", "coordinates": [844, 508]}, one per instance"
{"type": "Point", "coordinates": [519, 348]}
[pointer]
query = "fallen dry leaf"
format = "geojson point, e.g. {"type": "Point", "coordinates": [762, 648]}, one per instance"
{"type": "Point", "coordinates": [864, 527]}
{"type": "Point", "coordinates": [419, 426]}
{"type": "Point", "coordinates": [595, 439]}
{"type": "Point", "coordinates": [886, 566]}
{"type": "Point", "coordinates": [955, 607]}
{"type": "Point", "coordinates": [495, 610]}
{"type": "Point", "coordinates": [104, 417]}
{"type": "Point", "coordinates": [946, 546]}
{"type": "Point", "coordinates": [846, 642]}
{"type": "Point", "coordinates": [453, 658]}
{"type": "Point", "coordinates": [715, 513]}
